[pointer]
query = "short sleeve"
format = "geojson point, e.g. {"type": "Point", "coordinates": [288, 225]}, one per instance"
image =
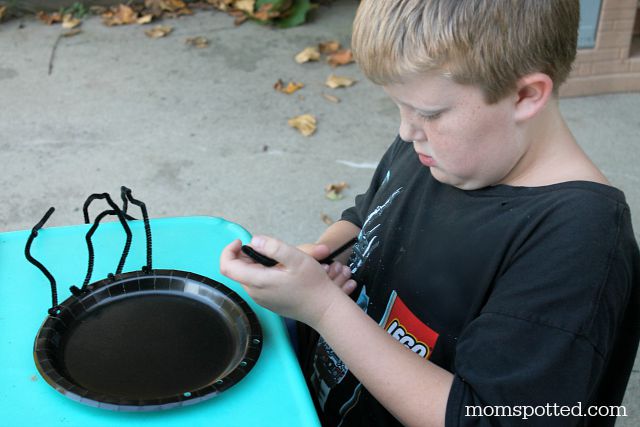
{"type": "Point", "coordinates": [545, 335]}
{"type": "Point", "coordinates": [358, 212]}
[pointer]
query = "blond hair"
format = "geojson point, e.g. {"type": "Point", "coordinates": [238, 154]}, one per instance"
{"type": "Point", "coordinates": [487, 43]}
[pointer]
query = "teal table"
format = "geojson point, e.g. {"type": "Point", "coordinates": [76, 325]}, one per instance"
{"type": "Point", "coordinates": [272, 394]}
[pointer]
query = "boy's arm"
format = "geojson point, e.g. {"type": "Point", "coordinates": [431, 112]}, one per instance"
{"type": "Point", "coordinates": [334, 236]}
{"type": "Point", "coordinates": [415, 391]}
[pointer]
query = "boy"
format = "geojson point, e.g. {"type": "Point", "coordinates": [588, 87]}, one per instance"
{"type": "Point", "coordinates": [497, 269]}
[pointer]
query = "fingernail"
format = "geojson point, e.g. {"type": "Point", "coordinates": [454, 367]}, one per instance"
{"type": "Point", "coordinates": [258, 242]}
{"type": "Point", "coordinates": [346, 271]}
{"type": "Point", "coordinates": [349, 286]}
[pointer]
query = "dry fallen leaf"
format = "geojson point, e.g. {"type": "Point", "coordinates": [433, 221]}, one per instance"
{"type": "Point", "coordinates": [49, 19]}
{"type": "Point", "coordinates": [305, 123]}
{"type": "Point", "coordinates": [223, 5]}
{"type": "Point", "coordinates": [158, 6]}
{"type": "Point", "coordinates": [266, 12]}
{"type": "Point", "coordinates": [247, 6]}
{"type": "Point", "coordinates": [334, 191]}
{"type": "Point", "coordinates": [167, 8]}
{"type": "Point", "coordinates": [3, 10]}
{"type": "Point", "coordinates": [69, 22]}
{"type": "Point", "coordinates": [310, 53]}
{"type": "Point", "coordinates": [120, 15]}
{"type": "Point", "coordinates": [158, 31]}
{"type": "Point", "coordinates": [180, 12]}
{"type": "Point", "coordinates": [240, 17]}
{"type": "Point", "coordinates": [335, 82]}
{"type": "Point", "coordinates": [331, 46]}
{"type": "Point", "coordinates": [331, 98]}
{"type": "Point", "coordinates": [341, 57]}
{"type": "Point", "coordinates": [145, 19]}
{"type": "Point", "coordinates": [199, 42]}
{"type": "Point", "coordinates": [72, 33]}
{"type": "Point", "coordinates": [326, 219]}
{"type": "Point", "coordinates": [290, 88]}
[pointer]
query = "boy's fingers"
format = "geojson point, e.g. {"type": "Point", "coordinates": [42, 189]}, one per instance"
{"type": "Point", "coordinates": [349, 286]}
{"type": "Point", "coordinates": [277, 250]}
{"type": "Point", "coordinates": [229, 255]}
{"type": "Point", "coordinates": [240, 269]}
{"type": "Point", "coordinates": [320, 251]}
{"type": "Point", "coordinates": [231, 250]}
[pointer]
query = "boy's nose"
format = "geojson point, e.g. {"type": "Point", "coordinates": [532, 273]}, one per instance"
{"type": "Point", "coordinates": [409, 131]}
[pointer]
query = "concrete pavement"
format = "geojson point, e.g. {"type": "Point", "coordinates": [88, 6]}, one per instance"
{"type": "Point", "coordinates": [202, 132]}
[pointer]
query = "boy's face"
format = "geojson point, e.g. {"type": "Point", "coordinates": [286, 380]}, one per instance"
{"type": "Point", "coordinates": [466, 142]}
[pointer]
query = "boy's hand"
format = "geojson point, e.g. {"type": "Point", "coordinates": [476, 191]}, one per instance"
{"type": "Point", "coordinates": [298, 287]}
{"type": "Point", "coordinates": [338, 273]}
{"type": "Point", "coordinates": [316, 250]}
{"type": "Point", "coordinates": [341, 276]}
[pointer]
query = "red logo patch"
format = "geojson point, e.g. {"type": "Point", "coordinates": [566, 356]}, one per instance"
{"type": "Point", "coordinates": [404, 326]}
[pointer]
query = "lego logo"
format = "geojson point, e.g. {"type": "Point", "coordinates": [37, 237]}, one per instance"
{"type": "Point", "coordinates": [397, 331]}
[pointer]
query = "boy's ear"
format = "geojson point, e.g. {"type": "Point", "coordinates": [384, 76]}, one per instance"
{"type": "Point", "coordinates": [532, 94]}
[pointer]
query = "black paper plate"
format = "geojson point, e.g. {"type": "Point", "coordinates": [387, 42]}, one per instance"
{"type": "Point", "coordinates": [148, 341]}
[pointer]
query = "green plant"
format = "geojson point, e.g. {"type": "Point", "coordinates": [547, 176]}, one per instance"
{"type": "Point", "coordinates": [77, 9]}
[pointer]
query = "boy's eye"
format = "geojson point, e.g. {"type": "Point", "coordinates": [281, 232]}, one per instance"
{"type": "Point", "coordinates": [429, 116]}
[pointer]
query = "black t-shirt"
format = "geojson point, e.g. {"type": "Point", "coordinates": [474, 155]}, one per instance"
{"type": "Point", "coordinates": [528, 295]}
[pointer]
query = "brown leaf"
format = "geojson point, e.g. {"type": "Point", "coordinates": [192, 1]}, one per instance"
{"type": "Point", "coordinates": [172, 5]}
{"type": "Point", "coordinates": [183, 11]}
{"type": "Point", "coordinates": [145, 19]}
{"type": "Point", "coordinates": [3, 10]}
{"type": "Point", "coordinates": [222, 5]}
{"type": "Point", "coordinates": [331, 98]}
{"type": "Point", "coordinates": [72, 33]}
{"type": "Point", "coordinates": [335, 82]}
{"type": "Point", "coordinates": [290, 88]}
{"type": "Point", "coordinates": [310, 53]}
{"type": "Point", "coordinates": [265, 13]}
{"type": "Point", "coordinates": [334, 191]}
{"type": "Point", "coordinates": [69, 22]}
{"type": "Point", "coordinates": [49, 19]}
{"type": "Point", "coordinates": [199, 42]}
{"type": "Point", "coordinates": [240, 17]}
{"type": "Point", "coordinates": [326, 219]}
{"type": "Point", "coordinates": [305, 123]}
{"type": "Point", "coordinates": [120, 15]}
{"type": "Point", "coordinates": [247, 6]}
{"type": "Point", "coordinates": [159, 31]}
{"type": "Point", "coordinates": [331, 46]}
{"type": "Point", "coordinates": [157, 7]}
{"type": "Point", "coordinates": [341, 57]}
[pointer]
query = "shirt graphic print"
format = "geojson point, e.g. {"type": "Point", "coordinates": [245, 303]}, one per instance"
{"type": "Point", "coordinates": [329, 370]}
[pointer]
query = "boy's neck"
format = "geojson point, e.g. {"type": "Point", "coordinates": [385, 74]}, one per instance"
{"type": "Point", "coordinates": [552, 155]}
